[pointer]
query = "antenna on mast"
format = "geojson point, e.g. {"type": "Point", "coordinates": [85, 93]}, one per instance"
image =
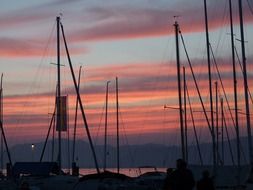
{"type": "Point", "coordinates": [60, 14]}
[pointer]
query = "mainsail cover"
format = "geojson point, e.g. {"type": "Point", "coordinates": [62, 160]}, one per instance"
{"type": "Point", "coordinates": [62, 122]}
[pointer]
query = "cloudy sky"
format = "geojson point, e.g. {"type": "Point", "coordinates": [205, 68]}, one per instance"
{"type": "Point", "coordinates": [133, 40]}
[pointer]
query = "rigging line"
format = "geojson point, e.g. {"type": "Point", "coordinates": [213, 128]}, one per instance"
{"type": "Point", "coordinates": [18, 121]}
{"type": "Point", "coordinates": [223, 89]}
{"type": "Point", "coordinates": [219, 155]}
{"type": "Point", "coordinates": [166, 153]}
{"type": "Point", "coordinates": [99, 126]}
{"type": "Point", "coordinates": [5, 143]}
{"type": "Point", "coordinates": [224, 17]}
{"type": "Point", "coordinates": [68, 135]}
{"type": "Point", "coordinates": [52, 142]}
{"type": "Point", "coordinates": [80, 102]}
{"type": "Point", "coordinates": [240, 144]}
{"type": "Point", "coordinates": [229, 142]}
{"type": "Point", "coordinates": [154, 89]}
{"type": "Point", "coordinates": [48, 133]}
{"type": "Point", "coordinates": [164, 123]}
{"type": "Point", "coordinates": [212, 132]}
{"type": "Point", "coordinates": [222, 129]}
{"type": "Point", "coordinates": [195, 82]}
{"type": "Point", "coordinates": [3, 137]}
{"type": "Point", "coordinates": [240, 63]}
{"type": "Point", "coordinates": [76, 115]}
{"type": "Point", "coordinates": [250, 95]}
{"type": "Point", "coordinates": [222, 86]}
{"type": "Point", "coordinates": [250, 8]}
{"type": "Point", "coordinates": [194, 127]}
{"type": "Point", "coordinates": [126, 139]}
{"type": "Point", "coordinates": [54, 127]}
{"type": "Point", "coordinates": [243, 153]}
{"type": "Point", "coordinates": [98, 130]}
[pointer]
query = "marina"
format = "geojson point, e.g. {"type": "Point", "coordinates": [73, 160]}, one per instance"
{"type": "Point", "coordinates": [187, 120]}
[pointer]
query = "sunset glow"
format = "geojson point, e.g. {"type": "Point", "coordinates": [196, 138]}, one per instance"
{"type": "Point", "coordinates": [133, 40]}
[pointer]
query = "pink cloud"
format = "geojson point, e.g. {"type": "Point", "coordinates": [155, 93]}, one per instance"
{"type": "Point", "coordinates": [28, 48]}
{"type": "Point", "coordinates": [142, 23]}
{"type": "Point", "coordinates": [111, 24]}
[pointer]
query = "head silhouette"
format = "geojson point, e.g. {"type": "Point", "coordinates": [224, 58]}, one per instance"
{"type": "Point", "coordinates": [205, 174]}
{"type": "Point", "coordinates": [181, 164]}
{"type": "Point", "coordinates": [169, 170]}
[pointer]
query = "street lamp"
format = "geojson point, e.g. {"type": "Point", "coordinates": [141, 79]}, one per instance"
{"type": "Point", "coordinates": [32, 146]}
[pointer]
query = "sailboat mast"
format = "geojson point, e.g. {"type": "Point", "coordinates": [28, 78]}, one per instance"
{"type": "Point", "coordinates": [106, 112]}
{"type": "Point", "coordinates": [54, 126]}
{"type": "Point", "coordinates": [1, 118]}
{"type": "Point", "coordinates": [245, 80]}
{"type": "Point", "coordinates": [217, 119]}
{"type": "Point", "coordinates": [185, 118]}
{"type": "Point", "coordinates": [58, 92]}
{"type": "Point", "coordinates": [117, 117]}
{"type": "Point", "coordinates": [2, 129]}
{"type": "Point", "coordinates": [210, 85]}
{"type": "Point", "coordinates": [179, 91]}
{"type": "Point", "coordinates": [222, 131]}
{"type": "Point", "coordinates": [235, 85]}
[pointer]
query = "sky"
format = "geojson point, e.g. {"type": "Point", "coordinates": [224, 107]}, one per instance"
{"type": "Point", "coordinates": [133, 40]}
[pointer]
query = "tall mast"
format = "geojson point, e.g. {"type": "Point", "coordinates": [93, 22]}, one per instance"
{"type": "Point", "coordinates": [210, 85]}
{"type": "Point", "coordinates": [222, 131]}
{"type": "Point", "coordinates": [179, 91]}
{"type": "Point", "coordinates": [245, 80]}
{"type": "Point", "coordinates": [185, 118]}
{"type": "Point", "coordinates": [235, 86]}
{"type": "Point", "coordinates": [58, 92]}
{"type": "Point", "coordinates": [54, 125]}
{"type": "Point", "coordinates": [3, 138]}
{"type": "Point", "coordinates": [117, 117]}
{"type": "Point", "coordinates": [106, 110]}
{"type": "Point", "coordinates": [217, 119]}
{"type": "Point", "coordinates": [1, 118]}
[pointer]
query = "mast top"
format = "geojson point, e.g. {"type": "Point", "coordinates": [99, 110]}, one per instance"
{"type": "Point", "coordinates": [58, 18]}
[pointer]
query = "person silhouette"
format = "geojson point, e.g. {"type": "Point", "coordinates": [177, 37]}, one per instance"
{"type": "Point", "coordinates": [166, 181]}
{"type": "Point", "coordinates": [181, 178]}
{"type": "Point", "coordinates": [24, 186]}
{"type": "Point", "coordinates": [205, 183]}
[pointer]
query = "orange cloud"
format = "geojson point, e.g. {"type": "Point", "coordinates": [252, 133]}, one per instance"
{"type": "Point", "coordinates": [144, 90]}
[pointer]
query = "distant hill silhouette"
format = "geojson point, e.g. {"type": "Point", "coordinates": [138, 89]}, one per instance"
{"type": "Point", "coordinates": [130, 156]}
